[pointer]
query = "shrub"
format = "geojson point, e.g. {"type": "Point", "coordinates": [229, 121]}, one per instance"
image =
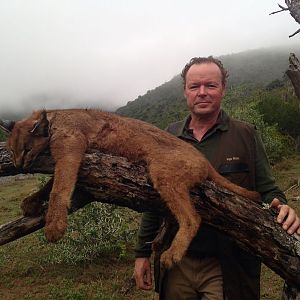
{"type": "Point", "coordinates": [2, 136]}
{"type": "Point", "coordinates": [277, 145]}
{"type": "Point", "coordinates": [96, 230]}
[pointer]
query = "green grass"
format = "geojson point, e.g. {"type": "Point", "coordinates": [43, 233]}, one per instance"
{"type": "Point", "coordinates": [27, 274]}
{"type": "Point", "coordinates": [11, 194]}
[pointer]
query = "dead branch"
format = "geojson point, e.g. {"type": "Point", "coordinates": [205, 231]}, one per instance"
{"type": "Point", "coordinates": [293, 6]}
{"type": "Point", "coordinates": [293, 73]}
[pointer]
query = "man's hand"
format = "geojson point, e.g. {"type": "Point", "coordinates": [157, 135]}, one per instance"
{"type": "Point", "coordinates": [287, 217]}
{"type": "Point", "coordinates": [142, 273]}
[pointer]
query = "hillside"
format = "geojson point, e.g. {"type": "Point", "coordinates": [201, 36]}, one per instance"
{"type": "Point", "coordinates": [165, 103]}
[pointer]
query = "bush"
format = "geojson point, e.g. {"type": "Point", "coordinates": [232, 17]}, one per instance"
{"type": "Point", "coordinates": [283, 113]}
{"type": "Point", "coordinates": [277, 145]}
{"type": "Point", "coordinates": [96, 230]}
{"type": "Point", "coordinates": [2, 136]}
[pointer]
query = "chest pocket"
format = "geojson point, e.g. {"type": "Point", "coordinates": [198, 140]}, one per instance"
{"type": "Point", "coordinates": [236, 172]}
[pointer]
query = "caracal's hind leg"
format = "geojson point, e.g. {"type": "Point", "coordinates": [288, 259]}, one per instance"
{"type": "Point", "coordinates": [177, 198]}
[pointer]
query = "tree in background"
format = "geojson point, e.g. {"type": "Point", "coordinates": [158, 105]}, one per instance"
{"type": "Point", "coordinates": [2, 136]}
{"type": "Point", "coordinates": [281, 109]}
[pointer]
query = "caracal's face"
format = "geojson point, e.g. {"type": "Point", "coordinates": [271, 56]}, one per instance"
{"type": "Point", "coordinates": [204, 89]}
{"type": "Point", "coordinates": [24, 146]}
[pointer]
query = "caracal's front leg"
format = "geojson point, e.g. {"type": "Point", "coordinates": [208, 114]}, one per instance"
{"type": "Point", "coordinates": [68, 161]}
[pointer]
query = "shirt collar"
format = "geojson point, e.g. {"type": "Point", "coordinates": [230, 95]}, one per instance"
{"type": "Point", "coordinates": [221, 124]}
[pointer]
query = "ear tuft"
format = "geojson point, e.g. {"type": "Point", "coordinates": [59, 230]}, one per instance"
{"type": "Point", "coordinates": [41, 126]}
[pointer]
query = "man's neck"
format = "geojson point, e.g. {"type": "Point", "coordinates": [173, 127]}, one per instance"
{"type": "Point", "coordinates": [201, 124]}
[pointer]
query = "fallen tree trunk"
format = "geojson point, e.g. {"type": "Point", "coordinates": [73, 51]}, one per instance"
{"type": "Point", "coordinates": [115, 180]}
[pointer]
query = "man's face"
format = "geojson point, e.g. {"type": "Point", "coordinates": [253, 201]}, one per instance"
{"type": "Point", "coordinates": [204, 89]}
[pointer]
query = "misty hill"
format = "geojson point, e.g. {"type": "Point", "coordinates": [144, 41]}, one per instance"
{"type": "Point", "coordinates": [166, 103]}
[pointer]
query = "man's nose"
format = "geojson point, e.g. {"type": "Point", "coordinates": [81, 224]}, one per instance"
{"type": "Point", "coordinates": [202, 90]}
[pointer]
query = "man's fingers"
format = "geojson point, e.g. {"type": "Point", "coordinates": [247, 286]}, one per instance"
{"type": "Point", "coordinates": [275, 203]}
{"type": "Point", "coordinates": [142, 273]}
{"type": "Point", "coordinates": [148, 278]}
{"type": "Point", "coordinates": [139, 280]}
{"type": "Point", "coordinates": [290, 218]}
{"type": "Point", "coordinates": [294, 227]}
{"type": "Point", "coordinates": [283, 212]}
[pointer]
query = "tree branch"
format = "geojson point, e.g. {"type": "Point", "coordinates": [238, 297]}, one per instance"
{"type": "Point", "coordinates": [115, 180]}
{"type": "Point", "coordinates": [293, 6]}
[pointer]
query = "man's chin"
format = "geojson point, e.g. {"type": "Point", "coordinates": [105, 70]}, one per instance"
{"type": "Point", "coordinates": [205, 112]}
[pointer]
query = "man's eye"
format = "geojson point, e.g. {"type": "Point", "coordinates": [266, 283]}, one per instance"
{"type": "Point", "coordinates": [211, 86]}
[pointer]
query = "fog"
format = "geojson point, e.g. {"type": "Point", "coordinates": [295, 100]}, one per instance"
{"type": "Point", "coordinates": [89, 53]}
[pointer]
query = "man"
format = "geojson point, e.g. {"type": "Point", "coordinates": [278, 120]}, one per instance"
{"type": "Point", "coordinates": [214, 267]}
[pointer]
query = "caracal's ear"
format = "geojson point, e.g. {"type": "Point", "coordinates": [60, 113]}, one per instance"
{"type": "Point", "coordinates": [41, 126]}
{"type": "Point", "coordinates": [7, 126]}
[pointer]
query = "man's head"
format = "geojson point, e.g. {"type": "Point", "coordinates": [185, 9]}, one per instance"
{"type": "Point", "coordinates": [204, 81]}
{"type": "Point", "coordinates": [205, 60]}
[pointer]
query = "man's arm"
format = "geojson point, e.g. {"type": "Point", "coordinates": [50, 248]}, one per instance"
{"type": "Point", "coordinates": [147, 232]}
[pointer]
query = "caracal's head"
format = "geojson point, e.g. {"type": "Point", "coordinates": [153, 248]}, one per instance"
{"type": "Point", "coordinates": [28, 138]}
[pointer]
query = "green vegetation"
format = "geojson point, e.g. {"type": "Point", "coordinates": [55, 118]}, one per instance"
{"type": "Point", "coordinates": [2, 136]}
{"type": "Point", "coordinates": [97, 230]}
{"type": "Point", "coordinates": [279, 107]}
{"type": "Point", "coordinates": [275, 112]}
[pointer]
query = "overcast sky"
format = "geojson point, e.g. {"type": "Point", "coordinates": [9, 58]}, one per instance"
{"type": "Point", "coordinates": [66, 53]}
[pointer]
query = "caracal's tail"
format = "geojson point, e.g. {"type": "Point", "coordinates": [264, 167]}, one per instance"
{"type": "Point", "coordinates": [222, 181]}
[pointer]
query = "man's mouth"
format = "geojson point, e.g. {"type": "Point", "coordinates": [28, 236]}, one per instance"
{"type": "Point", "coordinates": [202, 102]}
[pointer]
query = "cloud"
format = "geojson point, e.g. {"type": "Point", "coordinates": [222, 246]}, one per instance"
{"type": "Point", "coordinates": [71, 53]}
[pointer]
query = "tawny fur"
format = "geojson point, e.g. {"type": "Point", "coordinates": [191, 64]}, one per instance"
{"type": "Point", "coordinates": [174, 166]}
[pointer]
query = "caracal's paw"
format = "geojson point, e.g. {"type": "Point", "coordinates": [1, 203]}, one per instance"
{"type": "Point", "coordinates": [55, 230]}
{"type": "Point", "coordinates": [169, 258]}
{"type": "Point", "coordinates": [32, 206]}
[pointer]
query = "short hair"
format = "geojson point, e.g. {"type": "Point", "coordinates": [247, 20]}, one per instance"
{"type": "Point", "coordinates": [205, 60]}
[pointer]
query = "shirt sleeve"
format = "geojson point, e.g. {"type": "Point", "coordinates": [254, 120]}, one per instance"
{"type": "Point", "coordinates": [149, 226]}
{"type": "Point", "coordinates": [264, 180]}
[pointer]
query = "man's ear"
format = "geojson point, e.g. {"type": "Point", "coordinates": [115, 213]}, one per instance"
{"type": "Point", "coordinates": [7, 126]}
{"type": "Point", "coordinates": [224, 91]}
{"type": "Point", "coordinates": [41, 126]}
{"type": "Point", "coordinates": [184, 93]}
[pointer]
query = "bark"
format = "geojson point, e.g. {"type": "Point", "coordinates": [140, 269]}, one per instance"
{"type": "Point", "coordinates": [293, 73]}
{"type": "Point", "coordinates": [116, 180]}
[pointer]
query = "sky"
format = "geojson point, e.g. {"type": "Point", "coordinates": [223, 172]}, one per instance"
{"type": "Point", "coordinates": [104, 53]}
